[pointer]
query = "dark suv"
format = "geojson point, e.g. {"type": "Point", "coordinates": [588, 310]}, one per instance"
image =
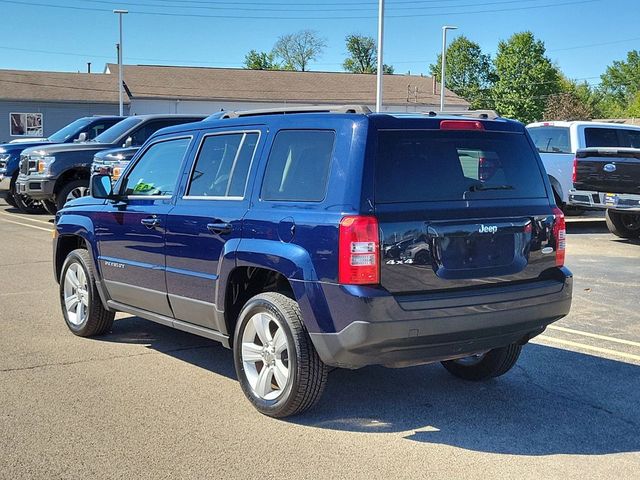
{"type": "Point", "coordinates": [55, 174]}
{"type": "Point", "coordinates": [287, 238]}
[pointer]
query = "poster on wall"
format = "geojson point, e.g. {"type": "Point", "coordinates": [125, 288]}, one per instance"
{"type": "Point", "coordinates": [26, 125]}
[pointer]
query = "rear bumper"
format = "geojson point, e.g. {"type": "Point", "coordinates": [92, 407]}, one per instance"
{"type": "Point", "coordinates": [623, 202]}
{"type": "Point", "coordinates": [431, 329]}
{"type": "Point", "coordinates": [34, 187]}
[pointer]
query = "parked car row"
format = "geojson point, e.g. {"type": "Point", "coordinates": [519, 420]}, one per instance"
{"type": "Point", "coordinates": [594, 166]}
{"type": "Point", "coordinates": [38, 176]}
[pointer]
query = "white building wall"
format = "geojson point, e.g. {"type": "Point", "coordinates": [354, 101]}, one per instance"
{"type": "Point", "coordinates": [143, 107]}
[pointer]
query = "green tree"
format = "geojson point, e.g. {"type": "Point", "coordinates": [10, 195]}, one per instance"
{"type": "Point", "coordinates": [297, 50]}
{"type": "Point", "coordinates": [525, 78]}
{"type": "Point", "coordinates": [621, 83]}
{"type": "Point", "coordinates": [363, 55]}
{"type": "Point", "coordinates": [260, 61]}
{"type": "Point", "coordinates": [576, 101]}
{"type": "Point", "coordinates": [469, 73]}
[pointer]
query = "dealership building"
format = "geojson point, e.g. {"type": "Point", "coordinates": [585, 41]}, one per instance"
{"type": "Point", "coordinates": [34, 104]}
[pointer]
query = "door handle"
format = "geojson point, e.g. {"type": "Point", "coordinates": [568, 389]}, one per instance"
{"type": "Point", "coordinates": [150, 222]}
{"type": "Point", "coordinates": [221, 228]}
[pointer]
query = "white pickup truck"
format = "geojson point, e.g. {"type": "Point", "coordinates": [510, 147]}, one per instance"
{"type": "Point", "coordinates": [558, 142]}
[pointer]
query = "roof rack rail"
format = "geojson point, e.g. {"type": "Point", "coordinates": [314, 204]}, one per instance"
{"type": "Point", "coordinates": [483, 114]}
{"type": "Point", "coordinates": [362, 109]}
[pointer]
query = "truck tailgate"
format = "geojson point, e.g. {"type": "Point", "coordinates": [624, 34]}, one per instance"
{"type": "Point", "coordinates": [609, 170]}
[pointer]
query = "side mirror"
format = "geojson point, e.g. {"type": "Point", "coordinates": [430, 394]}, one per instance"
{"type": "Point", "coordinates": [82, 137]}
{"type": "Point", "coordinates": [101, 187]}
{"type": "Point", "coordinates": [128, 142]}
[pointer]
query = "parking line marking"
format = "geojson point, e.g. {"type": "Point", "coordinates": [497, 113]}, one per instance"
{"type": "Point", "coordinates": [595, 335]}
{"type": "Point", "coordinates": [607, 351]}
{"type": "Point", "coordinates": [26, 218]}
{"type": "Point", "coordinates": [49, 230]}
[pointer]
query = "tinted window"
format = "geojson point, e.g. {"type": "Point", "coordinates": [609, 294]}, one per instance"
{"type": "Point", "coordinates": [551, 139]}
{"type": "Point", "coordinates": [630, 138]}
{"type": "Point", "coordinates": [156, 172]}
{"type": "Point", "coordinates": [145, 131]}
{"type": "Point", "coordinates": [421, 166]}
{"type": "Point", "coordinates": [97, 128]}
{"type": "Point", "coordinates": [73, 129]}
{"type": "Point", "coordinates": [298, 165]}
{"type": "Point", "coordinates": [114, 133]}
{"type": "Point", "coordinates": [222, 166]}
{"type": "Point", "coordinates": [601, 137]}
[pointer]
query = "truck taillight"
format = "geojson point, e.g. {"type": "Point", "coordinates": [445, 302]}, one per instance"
{"type": "Point", "coordinates": [560, 236]}
{"type": "Point", "coordinates": [574, 172]}
{"type": "Point", "coordinates": [359, 251]}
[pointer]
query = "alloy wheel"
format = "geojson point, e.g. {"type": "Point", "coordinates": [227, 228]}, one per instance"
{"type": "Point", "coordinates": [265, 356]}
{"type": "Point", "coordinates": [77, 192]}
{"type": "Point", "coordinates": [76, 294]}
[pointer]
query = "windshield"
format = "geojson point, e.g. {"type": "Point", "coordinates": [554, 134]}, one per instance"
{"type": "Point", "coordinates": [436, 165]}
{"type": "Point", "coordinates": [551, 139]}
{"type": "Point", "coordinates": [71, 130]}
{"type": "Point", "coordinates": [114, 133]}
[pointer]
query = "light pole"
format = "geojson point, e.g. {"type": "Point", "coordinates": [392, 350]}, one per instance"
{"type": "Point", "coordinates": [120, 73]}
{"type": "Point", "coordinates": [444, 54]}
{"type": "Point", "coordinates": [380, 60]}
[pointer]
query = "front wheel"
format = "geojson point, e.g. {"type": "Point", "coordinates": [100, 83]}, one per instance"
{"type": "Point", "coordinates": [71, 191]}
{"type": "Point", "coordinates": [278, 368]}
{"type": "Point", "coordinates": [623, 225]}
{"type": "Point", "coordinates": [82, 308]}
{"type": "Point", "coordinates": [27, 204]}
{"type": "Point", "coordinates": [484, 366]}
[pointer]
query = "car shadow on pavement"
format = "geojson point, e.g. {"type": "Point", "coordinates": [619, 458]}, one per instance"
{"type": "Point", "coordinates": [553, 402]}
{"type": "Point", "coordinates": [198, 351]}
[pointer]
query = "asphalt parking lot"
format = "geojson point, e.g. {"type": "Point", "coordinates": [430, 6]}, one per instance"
{"type": "Point", "coordinates": [146, 401]}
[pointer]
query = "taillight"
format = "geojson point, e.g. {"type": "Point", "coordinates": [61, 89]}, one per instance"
{"type": "Point", "coordinates": [461, 125]}
{"type": "Point", "coordinates": [560, 236]}
{"type": "Point", "coordinates": [574, 172]}
{"type": "Point", "coordinates": [359, 251]}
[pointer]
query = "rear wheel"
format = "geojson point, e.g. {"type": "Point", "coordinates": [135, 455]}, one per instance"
{"type": "Point", "coordinates": [71, 191]}
{"type": "Point", "coordinates": [486, 365]}
{"type": "Point", "coordinates": [278, 368]}
{"type": "Point", "coordinates": [623, 225]}
{"type": "Point", "coordinates": [82, 308]}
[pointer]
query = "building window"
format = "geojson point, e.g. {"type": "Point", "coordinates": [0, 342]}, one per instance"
{"type": "Point", "coordinates": [26, 125]}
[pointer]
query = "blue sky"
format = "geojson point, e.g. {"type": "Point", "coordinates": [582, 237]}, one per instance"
{"type": "Point", "coordinates": [582, 37]}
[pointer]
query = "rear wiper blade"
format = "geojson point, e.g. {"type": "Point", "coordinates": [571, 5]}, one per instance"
{"type": "Point", "coordinates": [482, 188]}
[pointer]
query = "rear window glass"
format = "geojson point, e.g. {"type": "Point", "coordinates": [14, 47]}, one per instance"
{"type": "Point", "coordinates": [601, 137]}
{"type": "Point", "coordinates": [422, 166]}
{"type": "Point", "coordinates": [551, 139]}
{"type": "Point", "coordinates": [298, 166]}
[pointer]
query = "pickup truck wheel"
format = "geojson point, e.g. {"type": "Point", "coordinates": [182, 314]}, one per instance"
{"type": "Point", "coordinates": [623, 225]}
{"type": "Point", "coordinates": [27, 204]}
{"type": "Point", "coordinates": [278, 368]}
{"type": "Point", "coordinates": [484, 366]}
{"type": "Point", "coordinates": [81, 306]}
{"type": "Point", "coordinates": [50, 206]}
{"type": "Point", "coordinates": [71, 191]}
{"type": "Point", "coordinates": [9, 194]}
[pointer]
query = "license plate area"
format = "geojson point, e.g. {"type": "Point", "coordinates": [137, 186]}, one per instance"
{"type": "Point", "coordinates": [611, 199]}
{"type": "Point", "coordinates": [476, 251]}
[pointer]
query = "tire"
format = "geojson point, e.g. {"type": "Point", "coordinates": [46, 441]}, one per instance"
{"type": "Point", "coordinates": [491, 364]}
{"type": "Point", "coordinates": [70, 191]}
{"type": "Point", "coordinates": [27, 204]}
{"type": "Point", "coordinates": [50, 207]}
{"type": "Point", "coordinates": [623, 225]}
{"type": "Point", "coordinates": [90, 317]}
{"type": "Point", "coordinates": [277, 392]}
{"type": "Point", "coordinates": [9, 194]}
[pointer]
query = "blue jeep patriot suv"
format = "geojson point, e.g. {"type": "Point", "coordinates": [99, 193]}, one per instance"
{"type": "Point", "coordinates": [306, 241]}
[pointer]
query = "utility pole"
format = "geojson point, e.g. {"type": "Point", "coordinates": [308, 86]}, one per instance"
{"type": "Point", "coordinates": [380, 59]}
{"type": "Point", "coordinates": [120, 72]}
{"type": "Point", "coordinates": [443, 58]}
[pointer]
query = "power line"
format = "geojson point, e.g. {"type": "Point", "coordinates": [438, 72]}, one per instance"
{"type": "Point", "coordinates": [262, 17]}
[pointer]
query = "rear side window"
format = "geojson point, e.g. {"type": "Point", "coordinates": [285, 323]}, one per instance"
{"type": "Point", "coordinates": [601, 137]}
{"type": "Point", "coordinates": [630, 138]}
{"type": "Point", "coordinates": [434, 165]}
{"type": "Point", "coordinates": [222, 166]}
{"type": "Point", "coordinates": [551, 139]}
{"type": "Point", "coordinates": [298, 166]}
